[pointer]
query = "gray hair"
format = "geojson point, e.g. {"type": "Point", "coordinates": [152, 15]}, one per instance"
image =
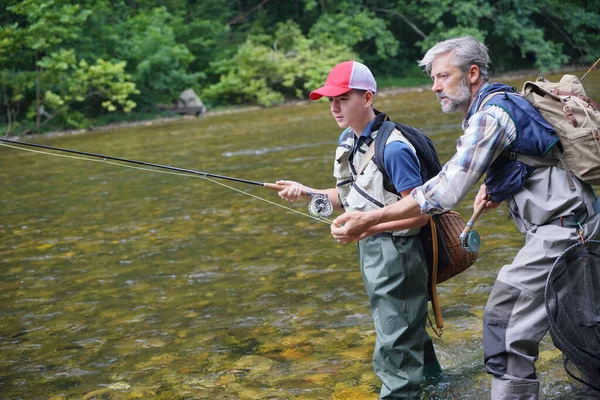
{"type": "Point", "coordinates": [467, 51]}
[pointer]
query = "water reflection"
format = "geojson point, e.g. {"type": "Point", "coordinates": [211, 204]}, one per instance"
{"type": "Point", "coordinates": [116, 283]}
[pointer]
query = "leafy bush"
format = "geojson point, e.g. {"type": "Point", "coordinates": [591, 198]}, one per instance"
{"type": "Point", "coordinates": [268, 69]}
{"type": "Point", "coordinates": [157, 63]}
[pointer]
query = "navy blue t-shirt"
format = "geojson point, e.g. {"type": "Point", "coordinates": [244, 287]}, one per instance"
{"type": "Point", "coordinates": [402, 166]}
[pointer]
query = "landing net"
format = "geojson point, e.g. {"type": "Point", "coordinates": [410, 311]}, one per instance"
{"type": "Point", "coordinates": [573, 304]}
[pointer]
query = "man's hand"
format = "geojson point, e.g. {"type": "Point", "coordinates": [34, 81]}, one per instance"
{"type": "Point", "coordinates": [293, 190]}
{"type": "Point", "coordinates": [481, 196]}
{"type": "Point", "coordinates": [353, 225]}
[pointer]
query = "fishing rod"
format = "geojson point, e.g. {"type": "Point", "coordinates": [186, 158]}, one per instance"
{"type": "Point", "coordinates": [272, 186]}
{"type": "Point", "coordinates": [319, 206]}
{"type": "Point", "coordinates": [589, 70]}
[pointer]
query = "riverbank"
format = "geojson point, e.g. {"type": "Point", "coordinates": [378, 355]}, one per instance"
{"type": "Point", "coordinates": [522, 74]}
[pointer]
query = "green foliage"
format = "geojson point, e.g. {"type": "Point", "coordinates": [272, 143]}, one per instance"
{"type": "Point", "coordinates": [49, 22]}
{"type": "Point", "coordinates": [356, 31]}
{"type": "Point", "coordinates": [451, 33]}
{"type": "Point", "coordinates": [71, 81]}
{"type": "Point", "coordinates": [267, 68]}
{"type": "Point", "coordinates": [157, 63]}
{"type": "Point", "coordinates": [545, 33]}
{"type": "Point", "coordinates": [246, 52]}
{"type": "Point", "coordinates": [519, 30]}
{"type": "Point", "coordinates": [577, 24]}
{"type": "Point", "coordinates": [206, 40]}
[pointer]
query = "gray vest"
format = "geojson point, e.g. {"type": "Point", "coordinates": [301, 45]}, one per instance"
{"type": "Point", "coordinates": [360, 184]}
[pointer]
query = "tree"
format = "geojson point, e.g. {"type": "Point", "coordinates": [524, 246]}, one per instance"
{"type": "Point", "coordinates": [267, 68]}
{"type": "Point", "coordinates": [80, 81]}
{"type": "Point", "coordinates": [545, 33]}
{"type": "Point", "coordinates": [157, 63]}
{"type": "Point", "coordinates": [361, 31]}
{"type": "Point", "coordinates": [45, 26]}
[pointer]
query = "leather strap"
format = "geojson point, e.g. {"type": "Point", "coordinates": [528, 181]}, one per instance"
{"type": "Point", "coordinates": [435, 303]}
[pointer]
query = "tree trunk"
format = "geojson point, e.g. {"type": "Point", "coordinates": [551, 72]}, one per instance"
{"type": "Point", "coordinates": [8, 113]}
{"type": "Point", "coordinates": [405, 19]}
{"type": "Point", "coordinates": [38, 114]}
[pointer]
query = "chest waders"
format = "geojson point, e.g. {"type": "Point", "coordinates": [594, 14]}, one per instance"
{"type": "Point", "coordinates": [395, 276]}
{"type": "Point", "coordinates": [515, 320]}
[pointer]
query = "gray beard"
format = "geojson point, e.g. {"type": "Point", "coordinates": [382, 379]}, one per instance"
{"type": "Point", "coordinates": [458, 101]}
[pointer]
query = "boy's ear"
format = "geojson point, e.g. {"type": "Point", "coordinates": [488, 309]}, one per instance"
{"type": "Point", "coordinates": [369, 96]}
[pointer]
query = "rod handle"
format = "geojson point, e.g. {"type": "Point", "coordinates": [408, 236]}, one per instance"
{"type": "Point", "coordinates": [273, 186]}
{"type": "Point", "coordinates": [476, 215]}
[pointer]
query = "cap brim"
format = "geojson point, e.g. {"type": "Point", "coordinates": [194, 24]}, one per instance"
{"type": "Point", "coordinates": [328, 91]}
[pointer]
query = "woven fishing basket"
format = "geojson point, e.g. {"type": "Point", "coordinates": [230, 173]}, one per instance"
{"type": "Point", "coordinates": [450, 225]}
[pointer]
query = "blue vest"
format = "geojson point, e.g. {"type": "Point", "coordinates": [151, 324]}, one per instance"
{"type": "Point", "coordinates": [535, 137]}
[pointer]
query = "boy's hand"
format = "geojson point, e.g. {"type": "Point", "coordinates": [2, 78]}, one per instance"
{"type": "Point", "coordinates": [293, 190]}
{"type": "Point", "coordinates": [352, 226]}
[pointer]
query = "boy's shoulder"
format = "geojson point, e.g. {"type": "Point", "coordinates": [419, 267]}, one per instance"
{"type": "Point", "coordinates": [429, 162]}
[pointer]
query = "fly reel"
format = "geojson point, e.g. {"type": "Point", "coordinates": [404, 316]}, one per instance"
{"type": "Point", "coordinates": [469, 238]}
{"type": "Point", "coordinates": [320, 206]}
{"type": "Point", "coordinates": [471, 242]}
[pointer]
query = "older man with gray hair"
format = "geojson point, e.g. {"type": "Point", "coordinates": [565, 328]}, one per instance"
{"type": "Point", "coordinates": [499, 125]}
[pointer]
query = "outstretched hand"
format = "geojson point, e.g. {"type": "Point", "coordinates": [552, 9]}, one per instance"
{"type": "Point", "coordinates": [352, 226]}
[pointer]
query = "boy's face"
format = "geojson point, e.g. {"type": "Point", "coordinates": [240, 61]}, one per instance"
{"type": "Point", "coordinates": [349, 109]}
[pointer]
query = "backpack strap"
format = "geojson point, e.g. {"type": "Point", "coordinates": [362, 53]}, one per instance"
{"type": "Point", "coordinates": [429, 163]}
{"type": "Point", "coordinates": [555, 159]}
{"type": "Point", "coordinates": [383, 134]}
{"type": "Point", "coordinates": [367, 158]}
{"type": "Point", "coordinates": [488, 98]}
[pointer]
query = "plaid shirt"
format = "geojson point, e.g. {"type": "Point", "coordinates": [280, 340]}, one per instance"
{"type": "Point", "coordinates": [487, 133]}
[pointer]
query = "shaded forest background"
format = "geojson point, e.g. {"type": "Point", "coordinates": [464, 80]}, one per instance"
{"type": "Point", "coordinates": [75, 64]}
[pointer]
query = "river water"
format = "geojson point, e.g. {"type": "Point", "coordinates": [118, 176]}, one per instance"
{"type": "Point", "coordinates": [119, 283]}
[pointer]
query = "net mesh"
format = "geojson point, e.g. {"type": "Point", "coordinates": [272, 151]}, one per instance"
{"type": "Point", "coordinates": [573, 304]}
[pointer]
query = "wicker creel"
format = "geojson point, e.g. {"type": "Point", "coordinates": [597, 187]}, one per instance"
{"type": "Point", "coordinates": [447, 256]}
{"type": "Point", "coordinates": [450, 225]}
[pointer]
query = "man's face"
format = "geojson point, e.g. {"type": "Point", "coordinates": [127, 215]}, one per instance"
{"type": "Point", "coordinates": [450, 84]}
{"type": "Point", "coordinates": [349, 109]}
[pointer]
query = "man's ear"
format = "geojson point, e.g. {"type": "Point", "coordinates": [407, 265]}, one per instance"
{"type": "Point", "coordinates": [473, 74]}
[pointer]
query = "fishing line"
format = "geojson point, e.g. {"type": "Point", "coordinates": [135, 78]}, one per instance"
{"type": "Point", "coordinates": [184, 172]}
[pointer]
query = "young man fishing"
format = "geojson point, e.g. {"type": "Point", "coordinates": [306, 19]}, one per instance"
{"type": "Point", "coordinates": [392, 260]}
{"type": "Point", "coordinates": [542, 205]}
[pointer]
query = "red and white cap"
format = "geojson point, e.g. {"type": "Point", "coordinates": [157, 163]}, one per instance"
{"type": "Point", "coordinates": [344, 77]}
